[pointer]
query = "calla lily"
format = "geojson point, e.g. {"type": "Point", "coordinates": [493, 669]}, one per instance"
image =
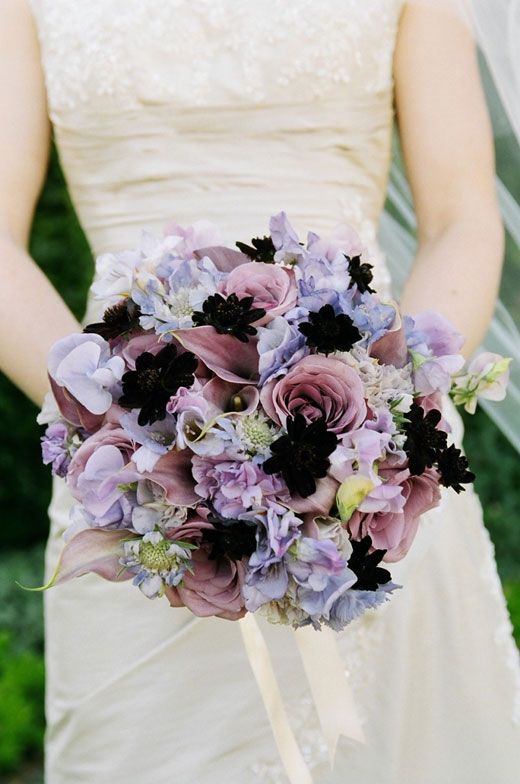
{"type": "Point", "coordinates": [223, 354]}
{"type": "Point", "coordinates": [391, 349]}
{"type": "Point", "coordinates": [92, 550]}
{"type": "Point", "coordinates": [224, 259]}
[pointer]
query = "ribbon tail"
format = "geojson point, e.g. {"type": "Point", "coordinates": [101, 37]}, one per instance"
{"type": "Point", "coordinates": [261, 664]}
{"type": "Point", "coordinates": [331, 691]}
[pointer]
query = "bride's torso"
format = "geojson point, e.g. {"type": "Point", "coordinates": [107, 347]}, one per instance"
{"type": "Point", "coordinates": [228, 110]}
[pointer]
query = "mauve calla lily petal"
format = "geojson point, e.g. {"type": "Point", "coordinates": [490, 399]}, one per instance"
{"type": "Point", "coordinates": [391, 349]}
{"type": "Point", "coordinates": [223, 354]}
{"type": "Point", "coordinates": [224, 259]}
{"type": "Point", "coordinates": [92, 550]}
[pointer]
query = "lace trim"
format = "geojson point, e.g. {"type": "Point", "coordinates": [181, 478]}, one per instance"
{"type": "Point", "coordinates": [121, 53]}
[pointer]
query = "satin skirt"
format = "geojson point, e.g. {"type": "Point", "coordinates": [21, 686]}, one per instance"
{"type": "Point", "coordinates": [139, 692]}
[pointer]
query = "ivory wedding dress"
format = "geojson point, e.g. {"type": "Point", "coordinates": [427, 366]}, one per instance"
{"type": "Point", "coordinates": [230, 111]}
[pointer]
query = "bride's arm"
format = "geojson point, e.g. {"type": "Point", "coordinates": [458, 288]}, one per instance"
{"type": "Point", "coordinates": [32, 314]}
{"type": "Point", "coordinates": [448, 149]}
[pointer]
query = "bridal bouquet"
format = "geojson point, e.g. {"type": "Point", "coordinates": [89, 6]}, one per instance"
{"type": "Point", "coordinates": [254, 429]}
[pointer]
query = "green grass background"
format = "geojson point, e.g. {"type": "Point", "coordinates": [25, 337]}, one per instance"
{"type": "Point", "coordinates": [60, 248]}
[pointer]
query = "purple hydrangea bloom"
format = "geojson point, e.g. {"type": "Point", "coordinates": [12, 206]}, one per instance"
{"type": "Point", "coordinates": [372, 317]}
{"type": "Point", "coordinates": [235, 486]}
{"type": "Point", "coordinates": [280, 345]}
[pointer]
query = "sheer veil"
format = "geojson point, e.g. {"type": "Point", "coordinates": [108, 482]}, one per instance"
{"type": "Point", "coordinates": [496, 26]}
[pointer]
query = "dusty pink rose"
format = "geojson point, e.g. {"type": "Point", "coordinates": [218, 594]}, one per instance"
{"type": "Point", "coordinates": [396, 531]}
{"type": "Point", "coordinates": [273, 287]}
{"type": "Point", "coordinates": [215, 588]}
{"type": "Point", "coordinates": [317, 387]}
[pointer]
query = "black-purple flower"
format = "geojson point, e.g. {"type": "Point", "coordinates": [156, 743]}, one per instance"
{"type": "Point", "coordinates": [155, 379]}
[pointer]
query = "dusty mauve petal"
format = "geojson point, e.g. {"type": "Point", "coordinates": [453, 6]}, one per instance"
{"type": "Point", "coordinates": [226, 356]}
{"type": "Point", "coordinates": [391, 349]}
{"type": "Point", "coordinates": [173, 473]}
{"type": "Point", "coordinates": [131, 349]}
{"type": "Point", "coordinates": [317, 386]}
{"type": "Point", "coordinates": [395, 532]}
{"type": "Point", "coordinates": [224, 259]}
{"type": "Point", "coordinates": [272, 287]}
{"type": "Point", "coordinates": [92, 550]}
{"type": "Point", "coordinates": [320, 502]}
{"type": "Point", "coordinates": [215, 587]}
{"type": "Point", "coordinates": [220, 393]}
{"type": "Point", "coordinates": [72, 410]}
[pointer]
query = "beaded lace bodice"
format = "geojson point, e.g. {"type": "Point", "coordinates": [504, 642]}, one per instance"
{"type": "Point", "coordinates": [223, 109]}
{"type": "Point", "coordinates": [122, 53]}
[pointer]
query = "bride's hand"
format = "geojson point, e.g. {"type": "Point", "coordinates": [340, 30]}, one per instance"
{"type": "Point", "coordinates": [448, 149]}
{"type": "Point", "coordinates": [32, 314]}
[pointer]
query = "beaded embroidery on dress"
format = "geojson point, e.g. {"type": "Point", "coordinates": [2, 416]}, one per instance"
{"type": "Point", "coordinates": [231, 110]}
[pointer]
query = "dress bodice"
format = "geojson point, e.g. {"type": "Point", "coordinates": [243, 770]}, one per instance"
{"type": "Point", "coordinates": [227, 110]}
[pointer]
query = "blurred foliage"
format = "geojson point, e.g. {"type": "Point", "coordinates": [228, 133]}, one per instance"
{"type": "Point", "coordinates": [21, 660]}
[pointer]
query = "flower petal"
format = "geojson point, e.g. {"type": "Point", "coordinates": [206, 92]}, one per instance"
{"type": "Point", "coordinates": [223, 354]}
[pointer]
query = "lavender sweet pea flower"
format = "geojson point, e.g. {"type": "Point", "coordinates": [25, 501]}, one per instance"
{"type": "Point", "coordinates": [311, 298]}
{"type": "Point", "coordinates": [343, 240]}
{"type": "Point", "coordinates": [201, 234]}
{"type": "Point", "coordinates": [83, 365]}
{"type": "Point", "coordinates": [434, 374]}
{"type": "Point", "coordinates": [362, 448]}
{"type": "Point", "coordinates": [283, 528]}
{"type": "Point", "coordinates": [318, 603]}
{"type": "Point", "coordinates": [315, 562]}
{"type": "Point", "coordinates": [440, 335]}
{"type": "Point", "coordinates": [155, 439]}
{"type": "Point", "coordinates": [285, 240]}
{"type": "Point", "coordinates": [114, 275]}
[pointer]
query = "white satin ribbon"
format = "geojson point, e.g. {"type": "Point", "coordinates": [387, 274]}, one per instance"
{"type": "Point", "coordinates": [333, 698]}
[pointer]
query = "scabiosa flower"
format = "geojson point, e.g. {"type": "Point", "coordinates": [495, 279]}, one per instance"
{"type": "Point", "coordinates": [229, 315]}
{"type": "Point", "coordinates": [157, 562]}
{"type": "Point", "coordinates": [261, 249]}
{"type": "Point", "coordinates": [119, 319]}
{"type": "Point", "coordinates": [360, 275]}
{"type": "Point", "coordinates": [423, 440]}
{"type": "Point", "coordinates": [302, 456]}
{"type": "Point", "coordinates": [256, 434]}
{"type": "Point", "coordinates": [327, 332]}
{"type": "Point", "coordinates": [454, 469]}
{"type": "Point", "coordinates": [365, 566]}
{"type": "Point", "coordinates": [154, 380]}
